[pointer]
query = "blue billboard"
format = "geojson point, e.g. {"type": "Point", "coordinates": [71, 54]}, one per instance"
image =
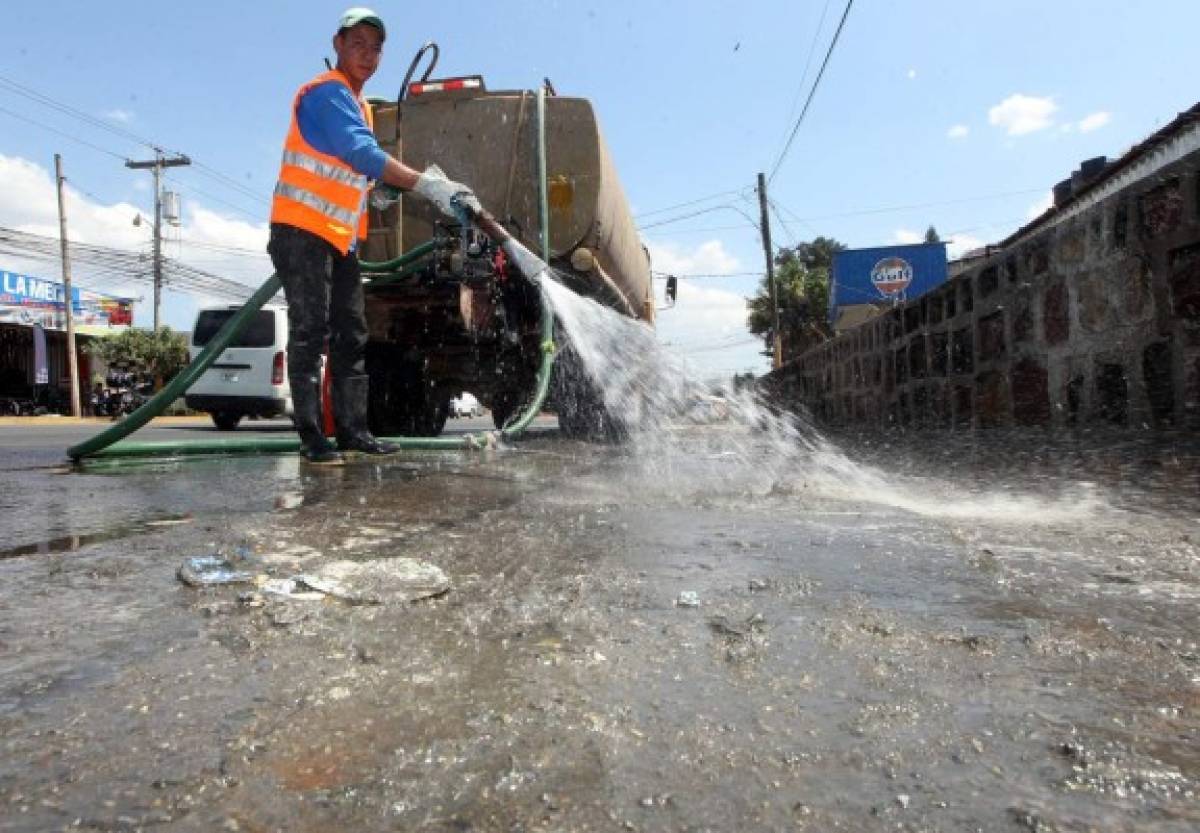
{"type": "Point", "coordinates": [885, 274]}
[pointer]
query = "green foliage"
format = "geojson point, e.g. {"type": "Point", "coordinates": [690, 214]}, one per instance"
{"type": "Point", "coordinates": [802, 277]}
{"type": "Point", "coordinates": [158, 355]}
{"type": "Point", "coordinates": [931, 235]}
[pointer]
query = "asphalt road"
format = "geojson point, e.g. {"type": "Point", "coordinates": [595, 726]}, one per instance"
{"type": "Point", "coordinates": [703, 631]}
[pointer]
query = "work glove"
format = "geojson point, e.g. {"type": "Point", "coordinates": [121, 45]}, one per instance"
{"type": "Point", "coordinates": [449, 196]}
{"type": "Point", "coordinates": [384, 196]}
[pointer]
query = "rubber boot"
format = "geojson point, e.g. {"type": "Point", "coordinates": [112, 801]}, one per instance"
{"type": "Point", "coordinates": [306, 414]}
{"type": "Point", "coordinates": [350, 413]}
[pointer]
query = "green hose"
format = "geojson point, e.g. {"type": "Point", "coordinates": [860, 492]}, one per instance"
{"type": "Point", "coordinates": [105, 445]}
{"type": "Point", "coordinates": [522, 422]}
{"type": "Point", "coordinates": [414, 254]}
{"type": "Point", "coordinates": [184, 380]}
{"type": "Point", "coordinates": [268, 445]}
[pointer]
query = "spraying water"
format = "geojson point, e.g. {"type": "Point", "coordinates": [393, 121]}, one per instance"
{"type": "Point", "coordinates": [690, 440]}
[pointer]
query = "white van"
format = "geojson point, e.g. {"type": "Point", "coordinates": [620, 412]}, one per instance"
{"type": "Point", "coordinates": [250, 377]}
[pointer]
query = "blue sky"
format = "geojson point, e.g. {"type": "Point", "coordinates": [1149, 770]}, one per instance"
{"type": "Point", "coordinates": [971, 110]}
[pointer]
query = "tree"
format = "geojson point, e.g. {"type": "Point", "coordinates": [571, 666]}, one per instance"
{"type": "Point", "coordinates": [931, 235]}
{"type": "Point", "coordinates": [802, 281]}
{"type": "Point", "coordinates": [158, 355]}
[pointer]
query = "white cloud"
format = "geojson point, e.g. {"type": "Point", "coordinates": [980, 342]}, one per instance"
{"type": "Point", "coordinates": [1039, 208]}
{"type": "Point", "coordinates": [705, 315]}
{"type": "Point", "coordinates": [912, 73]}
{"type": "Point", "coordinates": [958, 131]}
{"type": "Point", "coordinates": [122, 116]}
{"type": "Point", "coordinates": [29, 203]}
{"type": "Point", "coordinates": [1094, 121]}
{"type": "Point", "coordinates": [1021, 114]}
{"type": "Point", "coordinates": [960, 244]}
{"type": "Point", "coordinates": [906, 237]}
{"type": "Point", "coordinates": [706, 259]}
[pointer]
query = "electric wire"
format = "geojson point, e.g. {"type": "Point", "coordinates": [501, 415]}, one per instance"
{"type": "Point", "coordinates": [61, 133]}
{"type": "Point", "coordinates": [50, 102]}
{"type": "Point", "coordinates": [661, 275]}
{"type": "Point", "coordinates": [811, 93]}
{"type": "Point", "coordinates": [187, 186]}
{"type": "Point", "coordinates": [812, 48]}
{"type": "Point", "coordinates": [703, 230]}
{"type": "Point", "coordinates": [689, 203]}
{"type": "Point", "coordinates": [135, 265]}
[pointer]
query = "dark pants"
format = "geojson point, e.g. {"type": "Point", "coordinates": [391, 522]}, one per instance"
{"type": "Point", "coordinates": [324, 294]}
{"type": "Point", "coordinates": [325, 302]}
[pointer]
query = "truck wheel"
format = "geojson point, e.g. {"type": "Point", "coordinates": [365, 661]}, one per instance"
{"type": "Point", "coordinates": [431, 421]}
{"type": "Point", "coordinates": [504, 405]}
{"type": "Point", "coordinates": [582, 414]}
{"type": "Point", "coordinates": [226, 421]}
{"type": "Point", "coordinates": [401, 402]}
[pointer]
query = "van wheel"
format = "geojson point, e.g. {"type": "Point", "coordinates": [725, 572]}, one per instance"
{"type": "Point", "coordinates": [226, 421]}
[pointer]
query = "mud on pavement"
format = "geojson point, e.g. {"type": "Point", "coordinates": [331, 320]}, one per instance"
{"type": "Point", "coordinates": [844, 666]}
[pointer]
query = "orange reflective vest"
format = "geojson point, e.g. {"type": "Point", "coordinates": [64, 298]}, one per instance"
{"type": "Point", "coordinates": [318, 192]}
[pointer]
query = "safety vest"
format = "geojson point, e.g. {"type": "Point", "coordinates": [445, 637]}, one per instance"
{"type": "Point", "coordinates": [317, 192]}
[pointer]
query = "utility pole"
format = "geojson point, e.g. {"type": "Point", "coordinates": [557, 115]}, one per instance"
{"type": "Point", "coordinates": [156, 165]}
{"type": "Point", "coordinates": [72, 359]}
{"type": "Point", "coordinates": [777, 356]}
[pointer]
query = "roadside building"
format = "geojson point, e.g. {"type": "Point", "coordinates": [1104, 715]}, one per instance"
{"type": "Point", "coordinates": [33, 338]}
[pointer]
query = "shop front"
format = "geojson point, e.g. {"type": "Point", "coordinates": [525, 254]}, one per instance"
{"type": "Point", "coordinates": [34, 370]}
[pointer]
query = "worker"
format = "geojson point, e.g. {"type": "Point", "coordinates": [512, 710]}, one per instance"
{"type": "Point", "coordinates": [318, 220]}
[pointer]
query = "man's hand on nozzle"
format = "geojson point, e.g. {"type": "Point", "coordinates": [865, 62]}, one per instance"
{"type": "Point", "coordinates": [446, 194]}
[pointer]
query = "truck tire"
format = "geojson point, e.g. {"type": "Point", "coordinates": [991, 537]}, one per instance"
{"type": "Point", "coordinates": [582, 414]}
{"type": "Point", "coordinates": [226, 421]}
{"type": "Point", "coordinates": [504, 405]}
{"type": "Point", "coordinates": [402, 404]}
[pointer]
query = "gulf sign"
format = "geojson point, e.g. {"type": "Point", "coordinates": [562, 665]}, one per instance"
{"type": "Point", "coordinates": [885, 274]}
{"type": "Point", "coordinates": [891, 276]}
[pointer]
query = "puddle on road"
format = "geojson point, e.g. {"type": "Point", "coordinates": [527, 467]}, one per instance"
{"type": "Point", "coordinates": [72, 543]}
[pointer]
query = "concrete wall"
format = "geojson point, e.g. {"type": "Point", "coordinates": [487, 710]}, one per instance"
{"type": "Point", "coordinates": [1090, 315]}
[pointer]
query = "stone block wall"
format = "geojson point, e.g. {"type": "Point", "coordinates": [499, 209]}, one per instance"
{"type": "Point", "coordinates": [1090, 315]}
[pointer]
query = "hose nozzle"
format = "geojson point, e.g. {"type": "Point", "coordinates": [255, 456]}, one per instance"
{"type": "Point", "coordinates": [531, 267]}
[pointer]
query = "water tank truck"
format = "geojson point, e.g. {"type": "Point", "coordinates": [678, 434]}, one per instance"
{"type": "Point", "coordinates": [456, 319]}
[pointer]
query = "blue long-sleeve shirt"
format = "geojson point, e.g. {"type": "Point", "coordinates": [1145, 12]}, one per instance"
{"type": "Point", "coordinates": [331, 121]}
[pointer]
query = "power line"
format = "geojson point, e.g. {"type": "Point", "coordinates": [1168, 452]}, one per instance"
{"type": "Point", "coordinates": [131, 264]}
{"type": "Point", "coordinates": [681, 217]}
{"type": "Point", "coordinates": [775, 210]}
{"type": "Point", "coordinates": [48, 101]}
{"type": "Point", "coordinates": [189, 187]}
{"type": "Point", "coordinates": [657, 274]}
{"type": "Point", "coordinates": [61, 133]}
{"type": "Point", "coordinates": [230, 182]}
{"type": "Point", "coordinates": [717, 347]}
{"type": "Point", "coordinates": [893, 208]}
{"type": "Point", "coordinates": [696, 201]}
{"type": "Point", "coordinates": [812, 92]}
{"type": "Point", "coordinates": [55, 104]}
{"type": "Point", "coordinates": [812, 48]}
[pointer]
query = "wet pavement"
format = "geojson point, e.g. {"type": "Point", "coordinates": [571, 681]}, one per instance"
{"type": "Point", "coordinates": [984, 639]}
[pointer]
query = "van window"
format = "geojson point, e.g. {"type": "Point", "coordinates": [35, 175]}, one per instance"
{"type": "Point", "coordinates": [260, 332]}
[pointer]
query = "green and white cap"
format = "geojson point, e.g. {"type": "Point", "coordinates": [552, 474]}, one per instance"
{"type": "Point", "coordinates": [361, 14]}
